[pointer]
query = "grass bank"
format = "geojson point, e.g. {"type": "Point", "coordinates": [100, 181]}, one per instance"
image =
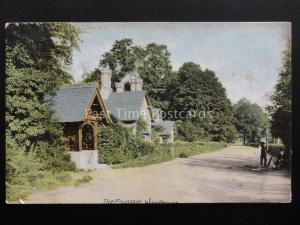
{"type": "Point", "coordinates": [45, 180]}
{"type": "Point", "coordinates": [181, 150]}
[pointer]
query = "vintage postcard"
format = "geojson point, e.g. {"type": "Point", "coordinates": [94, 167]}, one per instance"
{"type": "Point", "coordinates": [148, 112]}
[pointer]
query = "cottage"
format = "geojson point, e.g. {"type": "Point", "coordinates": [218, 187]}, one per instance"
{"type": "Point", "coordinates": [80, 108]}
{"type": "Point", "coordinates": [129, 102]}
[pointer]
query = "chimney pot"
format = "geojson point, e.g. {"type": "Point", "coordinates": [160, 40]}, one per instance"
{"type": "Point", "coordinates": [136, 83]}
{"type": "Point", "coordinates": [120, 87]}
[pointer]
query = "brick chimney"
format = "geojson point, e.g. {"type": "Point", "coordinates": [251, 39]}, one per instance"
{"type": "Point", "coordinates": [136, 83]}
{"type": "Point", "coordinates": [105, 82]}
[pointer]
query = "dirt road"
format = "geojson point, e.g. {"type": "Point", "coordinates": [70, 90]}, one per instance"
{"type": "Point", "coordinates": [222, 176]}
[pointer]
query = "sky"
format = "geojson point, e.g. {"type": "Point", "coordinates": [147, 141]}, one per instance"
{"type": "Point", "coordinates": [246, 57]}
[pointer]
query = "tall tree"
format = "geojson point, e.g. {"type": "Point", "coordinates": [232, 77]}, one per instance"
{"type": "Point", "coordinates": [200, 97]}
{"type": "Point", "coordinates": [152, 62]}
{"type": "Point", "coordinates": [250, 120]}
{"type": "Point", "coordinates": [120, 59]}
{"type": "Point", "coordinates": [45, 47]}
{"type": "Point", "coordinates": [281, 108]}
{"type": "Point", "coordinates": [155, 69]}
{"type": "Point", "coordinates": [37, 58]}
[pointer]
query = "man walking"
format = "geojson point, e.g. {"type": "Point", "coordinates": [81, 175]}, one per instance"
{"type": "Point", "coordinates": [263, 155]}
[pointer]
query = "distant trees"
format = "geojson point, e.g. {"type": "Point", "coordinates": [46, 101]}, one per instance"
{"type": "Point", "coordinates": [281, 108]}
{"type": "Point", "coordinates": [250, 120]}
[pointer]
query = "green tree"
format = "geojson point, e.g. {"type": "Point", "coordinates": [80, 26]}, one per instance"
{"type": "Point", "coordinates": [250, 120]}
{"type": "Point", "coordinates": [120, 59]}
{"type": "Point", "coordinates": [45, 47]}
{"type": "Point", "coordinates": [199, 96]}
{"type": "Point", "coordinates": [37, 60]}
{"type": "Point", "coordinates": [152, 62]}
{"type": "Point", "coordinates": [93, 76]}
{"type": "Point", "coordinates": [26, 114]}
{"type": "Point", "coordinates": [281, 108]}
{"type": "Point", "coordinates": [37, 57]}
{"type": "Point", "coordinates": [155, 69]}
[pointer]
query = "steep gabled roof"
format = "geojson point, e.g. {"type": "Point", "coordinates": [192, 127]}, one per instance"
{"type": "Point", "coordinates": [118, 103]}
{"type": "Point", "coordinates": [71, 102]}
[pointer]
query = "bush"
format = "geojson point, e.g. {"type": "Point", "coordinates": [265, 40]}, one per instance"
{"type": "Point", "coordinates": [153, 154]}
{"type": "Point", "coordinates": [55, 158]}
{"type": "Point", "coordinates": [28, 171]}
{"type": "Point", "coordinates": [21, 167]}
{"type": "Point", "coordinates": [118, 144]}
{"type": "Point", "coordinates": [188, 131]}
{"type": "Point", "coordinates": [162, 153]}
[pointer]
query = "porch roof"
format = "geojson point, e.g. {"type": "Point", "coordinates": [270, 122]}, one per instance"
{"type": "Point", "coordinates": [70, 102]}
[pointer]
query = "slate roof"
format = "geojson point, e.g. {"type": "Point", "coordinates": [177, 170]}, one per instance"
{"type": "Point", "coordinates": [167, 125]}
{"type": "Point", "coordinates": [70, 102]}
{"type": "Point", "coordinates": [120, 104]}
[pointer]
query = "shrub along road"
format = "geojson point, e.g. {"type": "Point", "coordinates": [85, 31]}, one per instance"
{"type": "Point", "coordinates": [227, 175]}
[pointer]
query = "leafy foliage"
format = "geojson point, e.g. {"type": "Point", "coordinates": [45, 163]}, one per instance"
{"type": "Point", "coordinates": [26, 172]}
{"type": "Point", "coordinates": [250, 120]}
{"type": "Point", "coordinates": [152, 62]}
{"type": "Point", "coordinates": [188, 131]}
{"type": "Point", "coordinates": [120, 59]}
{"type": "Point", "coordinates": [45, 47]}
{"type": "Point", "coordinates": [281, 108]}
{"type": "Point", "coordinates": [118, 144]}
{"type": "Point", "coordinates": [155, 133]}
{"type": "Point", "coordinates": [190, 88]}
{"type": "Point", "coordinates": [37, 55]}
{"type": "Point", "coordinates": [162, 153]}
{"type": "Point", "coordinates": [141, 126]}
{"type": "Point", "coordinates": [93, 76]}
{"type": "Point", "coordinates": [195, 90]}
{"type": "Point", "coordinates": [37, 59]}
{"type": "Point", "coordinates": [26, 113]}
{"type": "Point", "coordinates": [155, 69]}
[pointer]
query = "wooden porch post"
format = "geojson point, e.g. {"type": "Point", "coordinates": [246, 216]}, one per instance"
{"type": "Point", "coordinates": [95, 136]}
{"type": "Point", "coordinates": [80, 138]}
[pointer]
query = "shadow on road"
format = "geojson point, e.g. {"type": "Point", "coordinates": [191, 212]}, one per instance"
{"type": "Point", "coordinates": [234, 163]}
